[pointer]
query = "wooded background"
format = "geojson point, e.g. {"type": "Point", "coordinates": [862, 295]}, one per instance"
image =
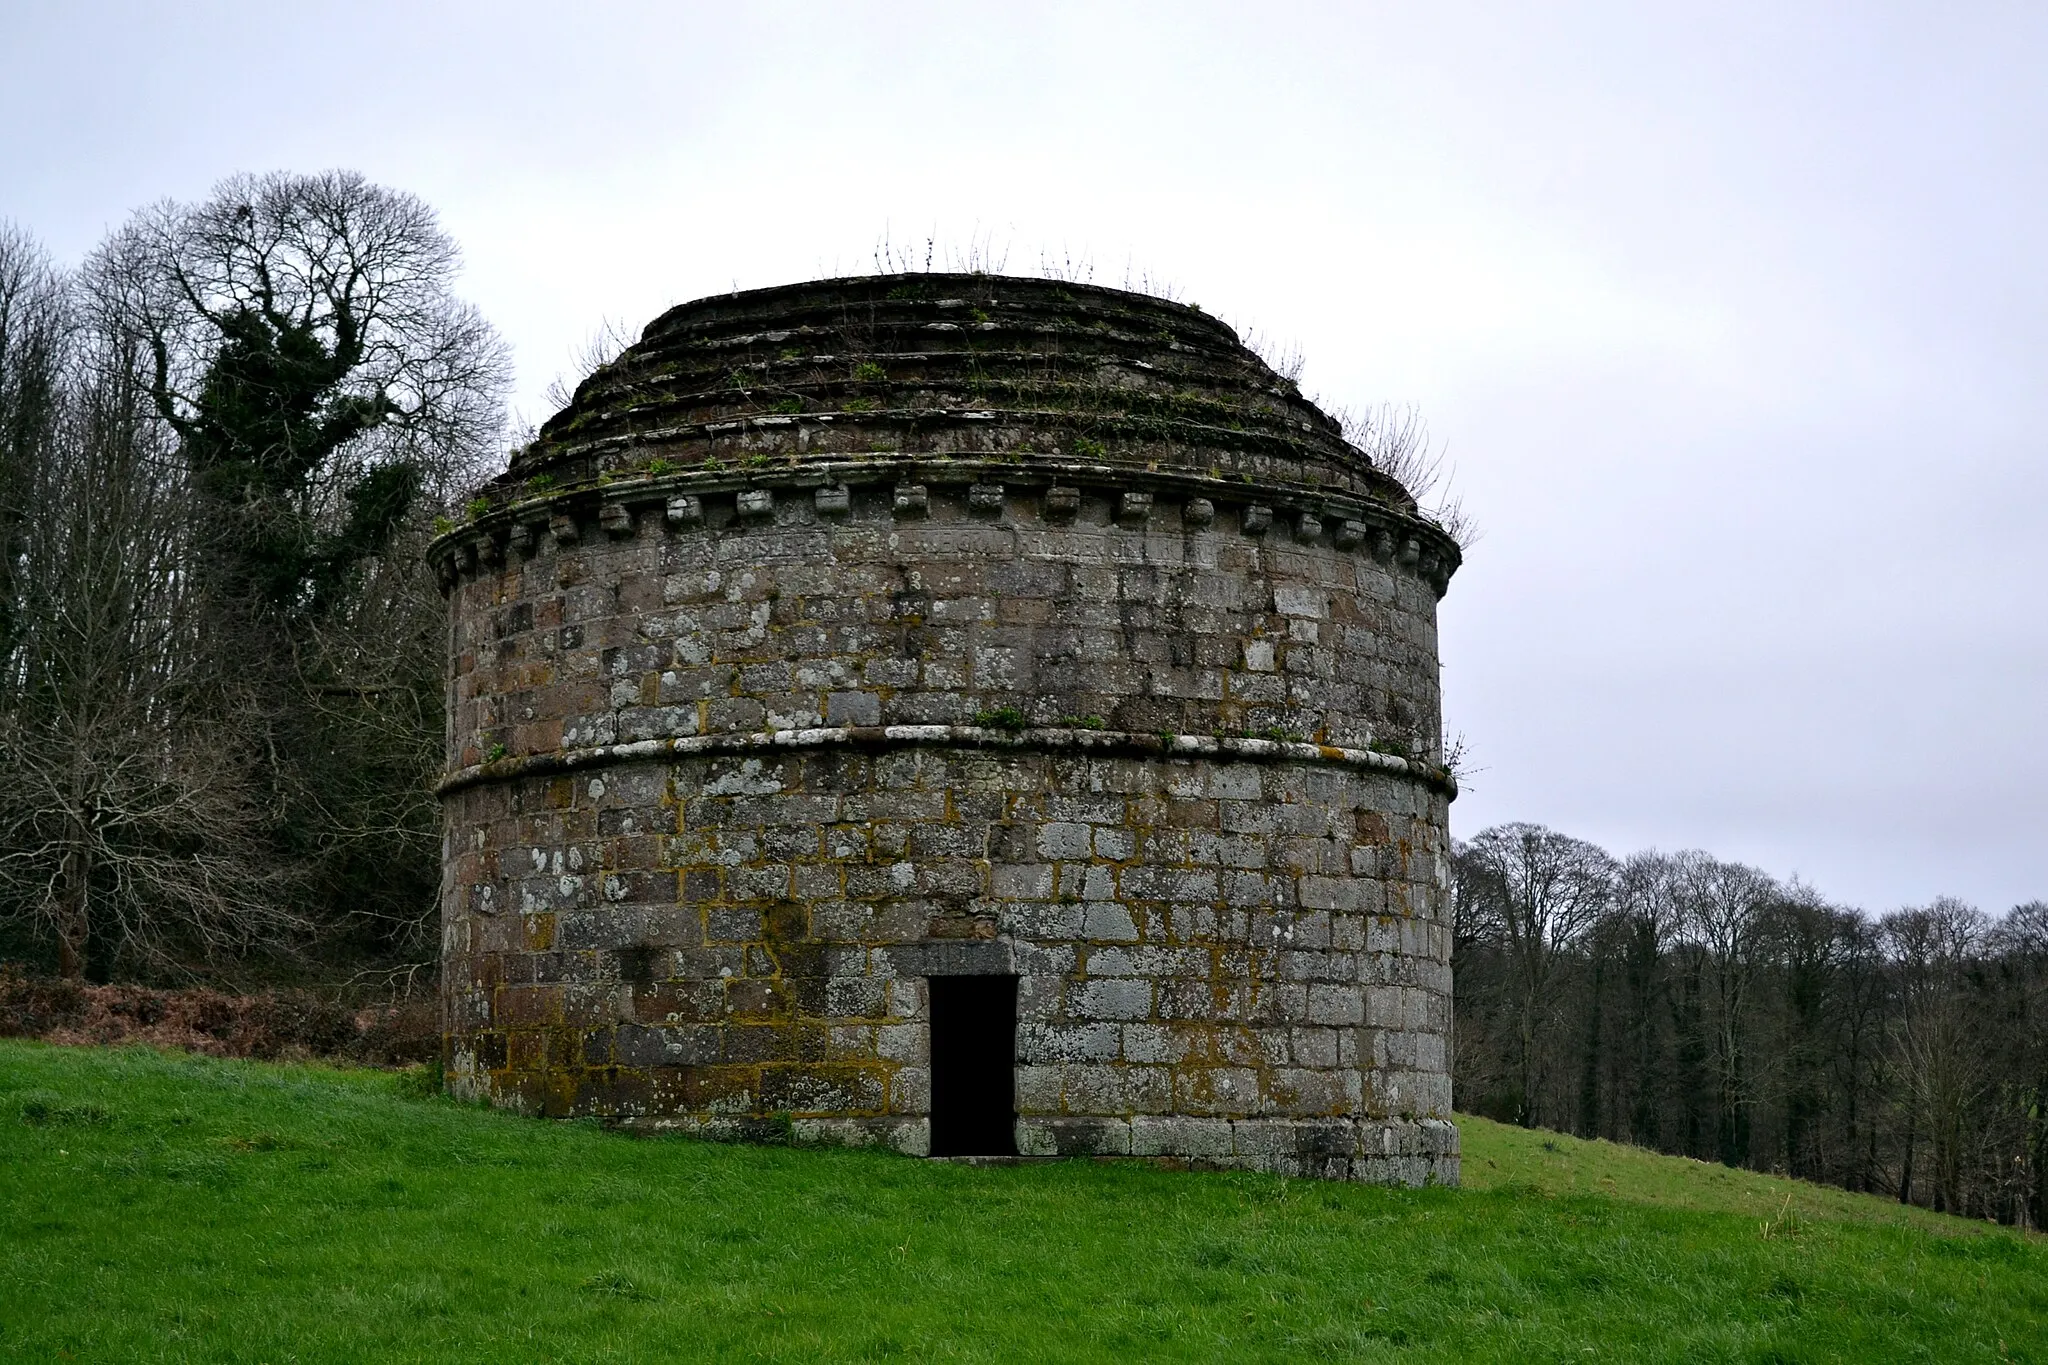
{"type": "Point", "coordinates": [1701, 1007]}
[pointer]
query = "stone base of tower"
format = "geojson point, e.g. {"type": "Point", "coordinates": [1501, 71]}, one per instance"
{"type": "Point", "coordinates": [1411, 1152]}
{"type": "Point", "coordinates": [1396, 1151]}
{"type": "Point", "coordinates": [1376, 1151]}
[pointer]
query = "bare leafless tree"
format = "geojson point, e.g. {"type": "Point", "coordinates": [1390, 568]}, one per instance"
{"type": "Point", "coordinates": [359, 272]}
{"type": "Point", "coordinates": [1938, 1058]}
{"type": "Point", "coordinates": [2020, 943]}
{"type": "Point", "coordinates": [126, 829]}
{"type": "Point", "coordinates": [1723, 908]}
{"type": "Point", "coordinates": [327, 394]}
{"type": "Point", "coordinates": [1534, 892]}
{"type": "Point", "coordinates": [307, 350]}
{"type": "Point", "coordinates": [1642, 924]}
{"type": "Point", "coordinates": [219, 632]}
{"type": "Point", "coordinates": [34, 322]}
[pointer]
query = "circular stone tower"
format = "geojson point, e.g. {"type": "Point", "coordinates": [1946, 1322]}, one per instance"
{"type": "Point", "coordinates": [966, 713]}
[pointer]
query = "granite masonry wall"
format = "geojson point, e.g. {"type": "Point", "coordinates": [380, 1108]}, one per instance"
{"type": "Point", "coordinates": [854, 633]}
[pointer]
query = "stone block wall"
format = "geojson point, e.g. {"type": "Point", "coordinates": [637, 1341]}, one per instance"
{"type": "Point", "coordinates": [793, 618]}
{"type": "Point", "coordinates": [740, 759]}
{"type": "Point", "coordinates": [1217, 958]}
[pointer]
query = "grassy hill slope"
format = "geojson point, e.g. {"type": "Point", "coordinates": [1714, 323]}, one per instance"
{"type": "Point", "coordinates": [1501, 1157]}
{"type": "Point", "coordinates": [159, 1207]}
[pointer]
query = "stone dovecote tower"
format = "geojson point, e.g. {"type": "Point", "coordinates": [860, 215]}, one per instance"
{"type": "Point", "coordinates": [972, 714]}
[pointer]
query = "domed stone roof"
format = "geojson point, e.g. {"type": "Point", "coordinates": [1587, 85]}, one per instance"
{"type": "Point", "coordinates": [1040, 374]}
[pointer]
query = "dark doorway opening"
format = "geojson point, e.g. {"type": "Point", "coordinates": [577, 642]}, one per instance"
{"type": "Point", "coordinates": [974, 1065]}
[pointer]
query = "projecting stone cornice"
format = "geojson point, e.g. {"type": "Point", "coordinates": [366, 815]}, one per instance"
{"type": "Point", "coordinates": [1041, 739]}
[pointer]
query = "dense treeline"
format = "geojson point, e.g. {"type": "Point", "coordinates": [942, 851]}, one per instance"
{"type": "Point", "coordinates": [1703, 1008]}
{"type": "Point", "coordinates": [223, 441]}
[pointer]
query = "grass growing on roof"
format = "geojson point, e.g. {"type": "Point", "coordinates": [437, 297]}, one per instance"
{"type": "Point", "coordinates": [169, 1208]}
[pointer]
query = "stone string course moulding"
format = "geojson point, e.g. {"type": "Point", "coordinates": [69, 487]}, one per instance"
{"type": "Point", "coordinates": [847, 634]}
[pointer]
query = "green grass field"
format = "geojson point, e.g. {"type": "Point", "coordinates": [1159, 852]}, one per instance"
{"type": "Point", "coordinates": [158, 1207]}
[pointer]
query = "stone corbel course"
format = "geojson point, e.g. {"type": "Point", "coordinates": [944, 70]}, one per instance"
{"type": "Point", "coordinates": [485, 543]}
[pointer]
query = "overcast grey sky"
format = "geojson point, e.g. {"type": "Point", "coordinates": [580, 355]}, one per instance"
{"type": "Point", "coordinates": [1732, 318]}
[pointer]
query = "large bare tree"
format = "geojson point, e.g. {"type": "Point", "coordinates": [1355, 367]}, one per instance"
{"type": "Point", "coordinates": [1533, 892]}
{"type": "Point", "coordinates": [126, 831]}
{"type": "Point", "coordinates": [307, 349]}
{"type": "Point", "coordinates": [1938, 1057]}
{"type": "Point", "coordinates": [222, 443]}
{"type": "Point", "coordinates": [327, 392]}
{"type": "Point", "coordinates": [1723, 909]}
{"type": "Point", "coordinates": [34, 322]}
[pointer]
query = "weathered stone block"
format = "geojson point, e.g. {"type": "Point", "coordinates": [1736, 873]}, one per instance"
{"type": "Point", "coordinates": [1108, 920]}
{"type": "Point", "coordinates": [1068, 1042]}
{"type": "Point", "coordinates": [1112, 999]}
{"type": "Point", "coordinates": [853, 708]}
{"type": "Point", "coordinates": [1085, 1137]}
